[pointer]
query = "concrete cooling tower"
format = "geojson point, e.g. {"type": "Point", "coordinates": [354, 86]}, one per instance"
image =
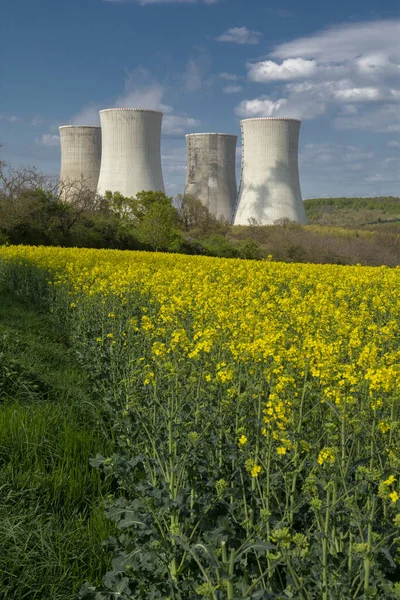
{"type": "Point", "coordinates": [270, 185]}
{"type": "Point", "coordinates": [211, 174]}
{"type": "Point", "coordinates": [80, 158]}
{"type": "Point", "coordinates": [131, 158]}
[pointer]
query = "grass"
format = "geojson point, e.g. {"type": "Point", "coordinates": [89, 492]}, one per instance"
{"type": "Point", "coordinates": [51, 516]}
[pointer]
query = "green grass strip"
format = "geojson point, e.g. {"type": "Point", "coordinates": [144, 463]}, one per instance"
{"type": "Point", "coordinates": [51, 515]}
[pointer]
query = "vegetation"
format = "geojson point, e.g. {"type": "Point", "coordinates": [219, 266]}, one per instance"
{"type": "Point", "coordinates": [255, 409]}
{"type": "Point", "coordinates": [341, 231]}
{"type": "Point", "coordinates": [52, 521]}
{"type": "Point", "coordinates": [355, 213]}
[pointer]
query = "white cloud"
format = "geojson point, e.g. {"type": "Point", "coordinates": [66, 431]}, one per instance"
{"type": "Point", "coordinates": [393, 144]}
{"type": "Point", "coordinates": [89, 115]}
{"type": "Point", "coordinates": [259, 107]}
{"type": "Point", "coordinates": [240, 35]}
{"type": "Point", "coordinates": [345, 42]}
{"type": "Point", "coordinates": [292, 68]}
{"type": "Point", "coordinates": [232, 89]}
{"type": "Point", "coordinates": [48, 140]}
{"type": "Point", "coordinates": [358, 94]}
{"type": "Point", "coordinates": [179, 124]}
{"type": "Point", "coordinates": [228, 76]}
{"type": "Point", "coordinates": [352, 71]}
{"type": "Point", "coordinates": [142, 91]}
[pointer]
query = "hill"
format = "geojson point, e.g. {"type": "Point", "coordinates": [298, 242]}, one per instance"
{"type": "Point", "coordinates": [382, 213]}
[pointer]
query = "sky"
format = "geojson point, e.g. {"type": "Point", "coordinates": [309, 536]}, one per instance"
{"type": "Point", "coordinates": [207, 64]}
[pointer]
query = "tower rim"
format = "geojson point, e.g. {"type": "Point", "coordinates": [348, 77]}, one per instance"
{"type": "Point", "coordinates": [146, 110]}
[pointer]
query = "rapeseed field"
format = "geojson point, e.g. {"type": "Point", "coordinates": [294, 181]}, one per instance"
{"type": "Point", "coordinates": [256, 408]}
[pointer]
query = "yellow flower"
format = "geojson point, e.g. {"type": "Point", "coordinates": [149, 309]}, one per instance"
{"type": "Point", "coordinates": [384, 426]}
{"type": "Point", "coordinates": [256, 470]}
{"type": "Point", "coordinates": [394, 497]}
{"type": "Point", "coordinates": [242, 440]}
{"type": "Point", "coordinates": [326, 455]}
{"type": "Point", "coordinates": [281, 450]}
{"type": "Point", "coordinates": [391, 479]}
{"type": "Point", "coordinates": [110, 335]}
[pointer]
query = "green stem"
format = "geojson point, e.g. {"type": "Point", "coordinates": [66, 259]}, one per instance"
{"type": "Point", "coordinates": [325, 548]}
{"type": "Point", "coordinates": [367, 559]}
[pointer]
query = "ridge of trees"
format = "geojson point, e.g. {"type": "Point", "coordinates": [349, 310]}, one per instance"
{"type": "Point", "coordinates": [32, 212]}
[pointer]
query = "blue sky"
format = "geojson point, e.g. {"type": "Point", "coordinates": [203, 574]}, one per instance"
{"type": "Point", "coordinates": [206, 64]}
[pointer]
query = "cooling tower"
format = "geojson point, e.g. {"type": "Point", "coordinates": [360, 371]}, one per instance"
{"type": "Point", "coordinates": [270, 185]}
{"type": "Point", "coordinates": [211, 175]}
{"type": "Point", "coordinates": [80, 158]}
{"type": "Point", "coordinates": [131, 158]}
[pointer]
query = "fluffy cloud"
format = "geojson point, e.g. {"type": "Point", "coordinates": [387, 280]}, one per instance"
{"type": "Point", "coordinates": [351, 70]}
{"type": "Point", "coordinates": [292, 68]}
{"type": "Point", "coordinates": [240, 35]}
{"type": "Point", "coordinates": [358, 94]}
{"type": "Point", "coordinates": [259, 107]}
{"type": "Point", "coordinates": [346, 42]}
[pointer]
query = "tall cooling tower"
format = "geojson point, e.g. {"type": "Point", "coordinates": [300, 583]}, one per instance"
{"type": "Point", "coordinates": [211, 174]}
{"type": "Point", "coordinates": [131, 158]}
{"type": "Point", "coordinates": [270, 185]}
{"type": "Point", "coordinates": [80, 158]}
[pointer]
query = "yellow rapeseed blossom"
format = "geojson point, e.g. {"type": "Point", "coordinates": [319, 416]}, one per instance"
{"type": "Point", "coordinates": [326, 456]}
{"type": "Point", "coordinates": [256, 470]}
{"type": "Point", "coordinates": [264, 331]}
{"type": "Point", "coordinates": [394, 496]}
{"type": "Point", "coordinates": [391, 479]}
{"type": "Point", "coordinates": [384, 426]}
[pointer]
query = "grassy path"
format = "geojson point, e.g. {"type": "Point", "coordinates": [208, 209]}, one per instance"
{"type": "Point", "coordinates": [51, 520]}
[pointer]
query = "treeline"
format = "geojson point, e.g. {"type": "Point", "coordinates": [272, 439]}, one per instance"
{"type": "Point", "coordinates": [366, 213]}
{"type": "Point", "coordinates": [32, 212]}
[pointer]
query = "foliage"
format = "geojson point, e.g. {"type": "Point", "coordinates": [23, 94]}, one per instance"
{"type": "Point", "coordinates": [341, 231]}
{"type": "Point", "coordinates": [256, 413]}
{"type": "Point", "coordinates": [51, 516]}
{"type": "Point", "coordinates": [158, 227]}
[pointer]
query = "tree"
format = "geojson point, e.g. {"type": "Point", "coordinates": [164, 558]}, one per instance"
{"type": "Point", "coordinates": [194, 216]}
{"type": "Point", "coordinates": [158, 227]}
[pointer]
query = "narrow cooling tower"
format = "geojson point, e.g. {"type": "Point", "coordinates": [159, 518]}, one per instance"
{"type": "Point", "coordinates": [211, 174]}
{"type": "Point", "coordinates": [270, 185]}
{"type": "Point", "coordinates": [80, 158]}
{"type": "Point", "coordinates": [131, 159]}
